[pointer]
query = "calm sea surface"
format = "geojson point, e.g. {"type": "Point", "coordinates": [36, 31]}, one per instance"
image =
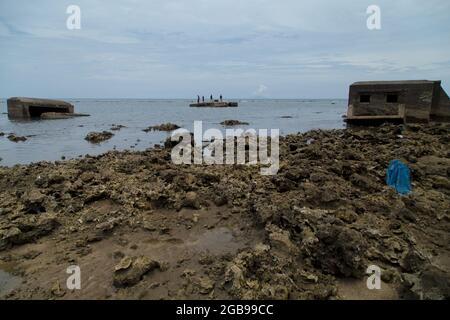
{"type": "Point", "coordinates": [52, 139]}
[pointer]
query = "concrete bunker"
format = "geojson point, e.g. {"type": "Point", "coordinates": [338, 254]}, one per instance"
{"type": "Point", "coordinates": [410, 101]}
{"type": "Point", "coordinates": [32, 108]}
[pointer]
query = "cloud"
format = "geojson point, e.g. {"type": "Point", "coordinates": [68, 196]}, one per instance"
{"type": "Point", "coordinates": [295, 46]}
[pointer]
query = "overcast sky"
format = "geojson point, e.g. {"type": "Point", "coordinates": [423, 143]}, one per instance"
{"type": "Point", "coordinates": [240, 48]}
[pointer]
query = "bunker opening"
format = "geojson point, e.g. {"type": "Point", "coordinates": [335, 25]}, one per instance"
{"type": "Point", "coordinates": [37, 111]}
{"type": "Point", "coordinates": [364, 98]}
{"type": "Point", "coordinates": [392, 98]}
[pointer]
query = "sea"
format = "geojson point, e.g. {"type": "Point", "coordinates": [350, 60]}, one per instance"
{"type": "Point", "coordinates": [52, 140]}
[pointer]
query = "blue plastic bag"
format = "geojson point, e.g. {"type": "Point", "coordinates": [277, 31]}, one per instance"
{"type": "Point", "coordinates": [398, 176]}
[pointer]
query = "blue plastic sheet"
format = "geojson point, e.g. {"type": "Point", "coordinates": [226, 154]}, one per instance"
{"type": "Point", "coordinates": [398, 176]}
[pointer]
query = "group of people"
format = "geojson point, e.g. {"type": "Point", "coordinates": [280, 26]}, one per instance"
{"type": "Point", "coordinates": [211, 98]}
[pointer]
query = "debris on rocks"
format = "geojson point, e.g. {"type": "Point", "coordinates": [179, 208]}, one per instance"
{"type": "Point", "coordinates": [162, 127]}
{"type": "Point", "coordinates": [97, 137]}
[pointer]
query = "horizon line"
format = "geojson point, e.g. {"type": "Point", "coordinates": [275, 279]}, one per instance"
{"type": "Point", "coordinates": [148, 98]}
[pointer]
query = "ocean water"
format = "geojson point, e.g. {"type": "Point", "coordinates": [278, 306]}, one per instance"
{"type": "Point", "coordinates": [52, 139]}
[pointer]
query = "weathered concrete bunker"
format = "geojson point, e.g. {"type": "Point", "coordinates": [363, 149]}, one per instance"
{"type": "Point", "coordinates": [28, 108]}
{"type": "Point", "coordinates": [411, 101]}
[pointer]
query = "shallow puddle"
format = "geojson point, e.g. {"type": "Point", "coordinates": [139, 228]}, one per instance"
{"type": "Point", "coordinates": [216, 241]}
{"type": "Point", "coordinates": [8, 282]}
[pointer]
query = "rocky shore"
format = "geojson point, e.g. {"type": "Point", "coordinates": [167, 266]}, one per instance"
{"type": "Point", "coordinates": [139, 226]}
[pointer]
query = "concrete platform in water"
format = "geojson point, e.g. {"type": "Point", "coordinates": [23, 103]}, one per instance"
{"type": "Point", "coordinates": [214, 104]}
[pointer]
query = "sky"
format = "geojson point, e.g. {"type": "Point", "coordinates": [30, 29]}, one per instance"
{"type": "Point", "coordinates": [241, 49]}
